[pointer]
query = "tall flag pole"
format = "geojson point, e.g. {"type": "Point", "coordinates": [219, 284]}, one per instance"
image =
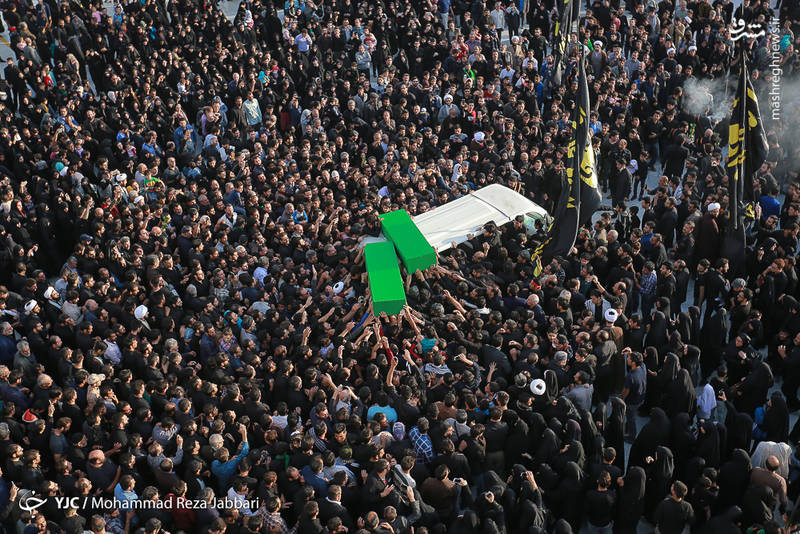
{"type": "Point", "coordinates": [576, 12]}
{"type": "Point", "coordinates": [747, 150]}
{"type": "Point", "coordinates": [573, 208]}
{"type": "Point", "coordinates": [561, 39]}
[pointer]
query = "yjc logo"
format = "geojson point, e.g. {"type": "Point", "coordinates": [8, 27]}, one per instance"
{"type": "Point", "coordinates": [31, 502]}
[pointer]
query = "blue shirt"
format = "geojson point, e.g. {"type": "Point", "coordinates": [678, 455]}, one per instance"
{"type": "Point", "coordinates": [7, 350]}
{"type": "Point", "coordinates": [152, 149]}
{"type": "Point", "coordinates": [124, 497]}
{"type": "Point", "coordinates": [769, 207]}
{"type": "Point", "coordinates": [422, 445]}
{"type": "Point", "coordinates": [645, 240]}
{"type": "Point", "coordinates": [225, 471]}
{"type": "Point", "coordinates": [5, 497]}
{"type": "Point", "coordinates": [316, 481]}
{"type": "Point", "coordinates": [428, 343]}
{"type": "Point", "coordinates": [178, 134]}
{"type": "Point", "coordinates": [636, 384]}
{"type": "Point", "coordinates": [303, 42]}
{"type": "Point", "coordinates": [391, 414]}
{"type": "Point", "coordinates": [649, 283]}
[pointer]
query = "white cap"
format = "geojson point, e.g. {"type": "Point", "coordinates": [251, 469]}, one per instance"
{"type": "Point", "coordinates": [30, 305]}
{"type": "Point", "coordinates": [538, 387]}
{"type": "Point", "coordinates": [693, 47]}
{"type": "Point", "coordinates": [337, 288]}
{"type": "Point", "coordinates": [714, 206]}
{"type": "Point", "coordinates": [49, 292]}
{"type": "Point", "coordinates": [611, 315]}
{"type": "Point", "coordinates": [121, 177]}
{"type": "Point", "coordinates": [478, 136]}
{"type": "Point", "coordinates": [670, 50]}
{"type": "Point", "coordinates": [140, 311]}
{"type": "Point", "coordinates": [633, 165]}
{"type": "Point", "coordinates": [598, 44]}
{"type": "Point", "coordinates": [95, 379]}
{"type": "Point", "coordinates": [448, 96]}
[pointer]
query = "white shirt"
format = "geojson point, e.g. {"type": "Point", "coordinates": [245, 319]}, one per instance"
{"type": "Point", "coordinates": [113, 354]}
{"type": "Point", "coordinates": [235, 497]}
{"type": "Point", "coordinates": [259, 274]}
{"type": "Point", "coordinates": [528, 60]}
{"type": "Point", "coordinates": [228, 221]}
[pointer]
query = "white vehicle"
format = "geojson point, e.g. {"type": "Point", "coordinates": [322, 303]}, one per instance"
{"type": "Point", "coordinates": [454, 221]}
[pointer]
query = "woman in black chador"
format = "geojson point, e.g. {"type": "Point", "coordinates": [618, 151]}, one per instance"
{"type": "Point", "coordinates": [631, 501]}
{"type": "Point", "coordinates": [654, 434]}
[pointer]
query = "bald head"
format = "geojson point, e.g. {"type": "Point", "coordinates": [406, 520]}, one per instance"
{"type": "Point", "coordinates": [773, 463]}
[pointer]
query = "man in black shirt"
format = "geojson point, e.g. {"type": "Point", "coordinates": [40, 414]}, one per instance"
{"type": "Point", "coordinates": [673, 513]}
{"type": "Point", "coordinates": [666, 286]}
{"type": "Point", "coordinates": [653, 128]}
{"type": "Point", "coordinates": [600, 505]}
{"type": "Point", "coordinates": [675, 157]}
{"type": "Point", "coordinates": [622, 185]}
{"type": "Point", "coordinates": [606, 465]}
{"type": "Point", "coordinates": [715, 285]}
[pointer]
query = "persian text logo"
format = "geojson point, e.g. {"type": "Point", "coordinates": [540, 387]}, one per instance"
{"type": "Point", "coordinates": [742, 30]}
{"type": "Point", "coordinates": [31, 502]}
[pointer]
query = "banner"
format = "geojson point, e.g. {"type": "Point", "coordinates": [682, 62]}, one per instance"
{"type": "Point", "coordinates": [561, 39]}
{"type": "Point", "coordinates": [580, 196]}
{"type": "Point", "coordinates": [747, 150]}
{"type": "Point", "coordinates": [590, 196]}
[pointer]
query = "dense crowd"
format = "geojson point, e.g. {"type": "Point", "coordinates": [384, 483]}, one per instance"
{"type": "Point", "coordinates": [185, 322]}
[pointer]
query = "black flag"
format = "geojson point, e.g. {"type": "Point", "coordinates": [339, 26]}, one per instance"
{"type": "Point", "coordinates": [747, 150]}
{"type": "Point", "coordinates": [561, 39]}
{"type": "Point", "coordinates": [590, 196]}
{"type": "Point", "coordinates": [573, 209]}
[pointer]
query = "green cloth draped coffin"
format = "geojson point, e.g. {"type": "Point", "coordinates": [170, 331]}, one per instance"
{"type": "Point", "coordinates": [406, 241]}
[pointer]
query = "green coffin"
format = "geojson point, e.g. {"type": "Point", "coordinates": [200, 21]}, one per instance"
{"type": "Point", "coordinates": [412, 247]}
{"type": "Point", "coordinates": [385, 282]}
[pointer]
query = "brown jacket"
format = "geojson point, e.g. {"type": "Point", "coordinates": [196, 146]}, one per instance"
{"type": "Point", "coordinates": [764, 477]}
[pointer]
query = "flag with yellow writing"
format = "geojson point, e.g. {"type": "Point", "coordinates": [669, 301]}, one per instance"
{"type": "Point", "coordinates": [561, 40]}
{"type": "Point", "coordinates": [590, 197]}
{"type": "Point", "coordinates": [581, 179]}
{"type": "Point", "coordinates": [747, 144]}
{"type": "Point", "coordinates": [747, 150]}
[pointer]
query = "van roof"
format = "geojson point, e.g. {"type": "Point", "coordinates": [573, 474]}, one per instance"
{"type": "Point", "coordinates": [451, 222]}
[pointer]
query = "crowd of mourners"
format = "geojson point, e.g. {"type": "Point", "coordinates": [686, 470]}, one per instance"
{"type": "Point", "coordinates": [185, 322]}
